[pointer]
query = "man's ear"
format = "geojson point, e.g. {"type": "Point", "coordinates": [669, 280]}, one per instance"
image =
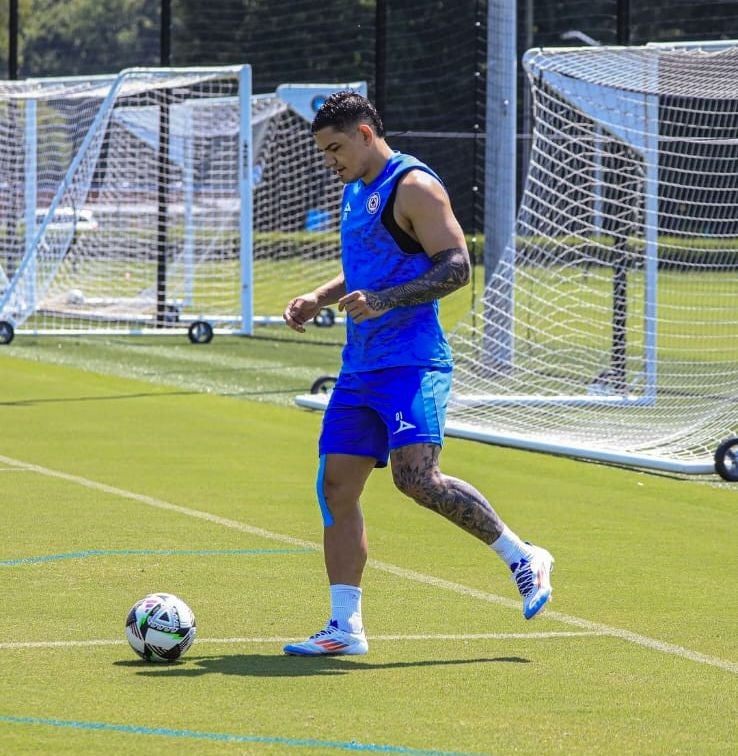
{"type": "Point", "coordinates": [367, 134]}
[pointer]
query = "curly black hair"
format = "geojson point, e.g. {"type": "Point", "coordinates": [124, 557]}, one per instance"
{"type": "Point", "coordinates": [345, 109]}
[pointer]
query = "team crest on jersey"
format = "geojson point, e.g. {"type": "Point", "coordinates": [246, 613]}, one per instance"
{"type": "Point", "coordinates": [372, 204]}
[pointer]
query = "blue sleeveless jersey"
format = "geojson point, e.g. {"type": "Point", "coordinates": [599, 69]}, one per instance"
{"type": "Point", "coordinates": [373, 260]}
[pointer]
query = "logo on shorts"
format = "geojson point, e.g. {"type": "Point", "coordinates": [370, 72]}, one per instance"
{"type": "Point", "coordinates": [403, 424]}
{"type": "Point", "coordinates": [372, 204]}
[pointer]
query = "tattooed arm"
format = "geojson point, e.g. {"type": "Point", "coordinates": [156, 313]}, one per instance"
{"type": "Point", "coordinates": [422, 210]}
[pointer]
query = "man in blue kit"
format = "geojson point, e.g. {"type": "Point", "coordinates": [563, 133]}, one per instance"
{"type": "Point", "coordinates": [402, 250]}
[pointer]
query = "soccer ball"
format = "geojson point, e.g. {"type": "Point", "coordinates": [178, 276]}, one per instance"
{"type": "Point", "coordinates": [75, 297]}
{"type": "Point", "coordinates": [160, 627]}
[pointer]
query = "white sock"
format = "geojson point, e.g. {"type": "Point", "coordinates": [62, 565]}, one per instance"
{"type": "Point", "coordinates": [346, 607]}
{"type": "Point", "coordinates": [510, 548]}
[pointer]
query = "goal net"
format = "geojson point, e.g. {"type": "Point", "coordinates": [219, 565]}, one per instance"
{"type": "Point", "coordinates": [609, 328]}
{"type": "Point", "coordinates": [158, 197]}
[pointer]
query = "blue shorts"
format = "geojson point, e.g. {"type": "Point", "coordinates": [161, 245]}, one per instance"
{"type": "Point", "coordinates": [370, 413]}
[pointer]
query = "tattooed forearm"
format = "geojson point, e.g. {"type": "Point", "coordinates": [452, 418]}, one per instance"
{"type": "Point", "coordinates": [416, 473]}
{"type": "Point", "coordinates": [450, 271]}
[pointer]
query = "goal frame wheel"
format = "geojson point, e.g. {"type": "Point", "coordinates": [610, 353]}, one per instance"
{"type": "Point", "coordinates": [200, 332]}
{"type": "Point", "coordinates": [726, 460]}
{"type": "Point", "coordinates": [7, 332]}
{"type": "Point", "coordinates": [323, 385]}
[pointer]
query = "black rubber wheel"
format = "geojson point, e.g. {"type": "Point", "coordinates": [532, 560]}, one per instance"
{"type": "Point", "coordinates": [324, 385]}
{"type": "Point", "coordinates": [325, 318]}
{"type": "Point", "coordinates": [7, 332]}
{"type": "Point", "coordinates": [200, 332]}
{"type": "Point", "coordinates": [726, 460]}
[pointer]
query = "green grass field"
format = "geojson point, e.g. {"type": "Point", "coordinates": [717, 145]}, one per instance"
{"type": "Point", "coordinates": [135, 465]}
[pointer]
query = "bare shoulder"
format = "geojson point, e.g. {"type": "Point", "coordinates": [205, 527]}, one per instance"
{"type": "Point", "coordinates": [417, 188]}
{"type": "Point", "coordinates": [423, 209]}
{"type": "Point", "coordinates": [419, 183]}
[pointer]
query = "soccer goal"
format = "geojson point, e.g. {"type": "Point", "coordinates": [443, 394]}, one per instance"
{"type": "Point", "coordinates": [609, 329]}
{"type": "Point", "coordinates": [159, 198]}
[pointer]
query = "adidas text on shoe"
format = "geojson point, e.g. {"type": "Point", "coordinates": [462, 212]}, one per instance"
{"type": "Point", "coordinates": [330, 642]}
{"type": "Point", "coordinates": [533, 578]}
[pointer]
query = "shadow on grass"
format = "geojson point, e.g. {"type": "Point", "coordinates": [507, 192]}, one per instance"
{"type": "Point", "coordinates": [105, 398]}
{"type": "Point", "coordinates": [152, 394]}
{"type": "Point", "coordinates": [265, 665]}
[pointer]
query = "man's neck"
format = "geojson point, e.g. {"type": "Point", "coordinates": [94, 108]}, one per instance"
{"type": "Point", "coordinates": [384, 153]}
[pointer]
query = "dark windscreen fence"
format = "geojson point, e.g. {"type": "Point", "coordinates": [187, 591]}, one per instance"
{"type": "Point", "coordinates": [438, 114]}
{"type": "Point", "coordinates": [429, 75]}
{"type": "Point", "coordinates": [588, 22]}
{"type": "Point", "coordinates": [284, 41]}
{"type": "Point", "coordinates": [698, 171]}
{"type": "Point", "coordinates": [424, 61]}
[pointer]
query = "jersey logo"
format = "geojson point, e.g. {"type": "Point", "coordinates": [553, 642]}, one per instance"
{"type": "Point", "coordinates": [346, 210]}
{"type": "Point", "coordinates": [403, 424]}
{"type": "Point", "coordinates": [372, 204]}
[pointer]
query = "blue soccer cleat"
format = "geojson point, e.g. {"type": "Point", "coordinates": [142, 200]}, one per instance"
{"type": "Point", "coordinates": [533, 578]}
{"type": "Point", "coordinates": [330, 642]}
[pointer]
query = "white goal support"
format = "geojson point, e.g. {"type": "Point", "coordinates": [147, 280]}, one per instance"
{"type": "Point", "coordinates": [157, 198]}
{"type": "Point", "coordinates": [609, 329]}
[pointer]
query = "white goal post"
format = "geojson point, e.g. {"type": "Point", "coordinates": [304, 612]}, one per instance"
{"type": "Point", "coordinates": [157, 198]}
{"type": "Point", "coordinates": [610, 330]}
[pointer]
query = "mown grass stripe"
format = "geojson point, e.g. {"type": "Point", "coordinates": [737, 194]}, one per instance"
{"type": "Point", "coordinates": [627, 635]}
{"type": "Point", "coordinates": [224, 737]}
{"type": "Point", "coordinates": [146, 552]}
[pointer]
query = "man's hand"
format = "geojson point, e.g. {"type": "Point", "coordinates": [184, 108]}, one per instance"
{"type": "Point", "coordinates": [300, 310]}
{"type": "Point", "coordinates": [361, 305]}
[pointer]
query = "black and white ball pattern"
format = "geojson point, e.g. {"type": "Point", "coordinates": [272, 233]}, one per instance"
{"type": "Point", "coordinates": [160, 627]}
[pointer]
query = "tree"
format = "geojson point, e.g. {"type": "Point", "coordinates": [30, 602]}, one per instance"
{"type": "Point", "coordinates": [81, 37]}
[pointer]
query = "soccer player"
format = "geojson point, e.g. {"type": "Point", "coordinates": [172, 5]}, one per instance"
{"type": "Point", "coordinates": [402, 250]}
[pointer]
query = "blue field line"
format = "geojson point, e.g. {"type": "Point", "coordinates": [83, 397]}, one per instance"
{"type": "Point", "coordinates": [224, 737]}
{"type": "Point", "coordinates": [147, 552]}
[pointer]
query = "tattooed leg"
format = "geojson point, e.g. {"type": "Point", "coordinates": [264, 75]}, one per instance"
{"type": "Point", "coordinates": [416, 473]}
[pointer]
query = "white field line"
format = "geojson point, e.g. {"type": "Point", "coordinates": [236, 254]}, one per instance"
{"type": "Point", "coordinates": [418, 577]}
{"type": "Point", "coordinates": [222, 641]}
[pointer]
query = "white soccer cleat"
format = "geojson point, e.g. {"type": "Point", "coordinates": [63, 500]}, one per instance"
{"type": "Point", "coordinates": [533, 578]}
{"type": "Point", "coordinates": [330, 642]}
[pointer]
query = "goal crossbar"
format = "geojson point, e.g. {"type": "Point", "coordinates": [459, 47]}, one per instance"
{"type": "Point", "coordinates": [159, 197]}
{"type": "Point", "coordinates": [608, 329]}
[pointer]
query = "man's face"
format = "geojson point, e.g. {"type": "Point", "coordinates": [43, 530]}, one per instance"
{"type": "Point", "coordinates": [345, 153]}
